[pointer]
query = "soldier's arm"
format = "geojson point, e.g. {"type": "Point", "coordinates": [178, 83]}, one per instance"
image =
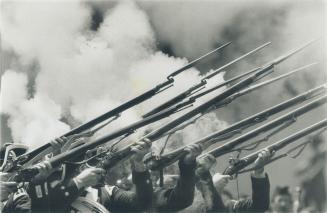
{"type": "Point", "coordinates": [141, 198]}
{"type": "Point", "coordinates": [260, 200]}
{"type": "Point", "coordinates": [212, 199]}
{"type": "Point", "coordinates": [182, 195]}
{"type": "Point", "coordinates": [19, 202]}
{"type": "Point", "coordinates": [117, 199]}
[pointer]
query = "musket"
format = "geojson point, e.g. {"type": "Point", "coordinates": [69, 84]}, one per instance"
{"type": "Point", "coordinates": [201, 85]}
{"type": "Point", "coordinates": [254, 87]}
{"type": "Point", "coordinates": [29, 172]}
{"type": "Point", "coordinates": [158, 162]}
{"type": "Point", "coordinates": [189, 102]}
{"type": "Point", "coordinates": [262, 72]}
{"type": "Point", "coordinates": [119, 109]}
{"type": "Point", "coordinates": [231, 98]}
{"type": "Point", "coordinates": [176, 108]}
{"type": "Point", "coordinates": [115, 157]}
{"type": "Point", "coordinates": [240, 164]}
{"type": "Point", "coordinates": [262, 84]}
{"type": "Point", "coordinates": [203, 82]}
{"type": "Point", "coordinates": [282, 120]}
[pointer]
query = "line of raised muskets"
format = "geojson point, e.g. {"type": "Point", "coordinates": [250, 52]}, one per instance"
{"type": "Point", "coordinates": [26, 166]}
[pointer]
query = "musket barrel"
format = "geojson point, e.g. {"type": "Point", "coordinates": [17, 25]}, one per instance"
{"type": "Point", "coordinates": [225, 148]}
{"type": "Point", "coordinates": [264, 68]}
{"type": "Point", "coordinates": [59, 159]}
{"type": "Point", "coordinates": [56, 160]}
{"type": "Point", "coordinates": [280, 77]}
{"type": "Point", "coordinates": [256, 86]}
{"type": "Point", "coordinates": [220, 69]}
{"type": "Point", "coordinates": [221, 135]}
{"type": "Point", "coordinates": [119, 109]}
{"type": "Point", "coordinates": [203, 82]}
{"type": "Point", "coordinates": [289, 54]}
{"type": "Point", "coordinates": [153, 136]}
{"type": "Point", "coordinates": [270, 81]}
{"type": "Point", "coordinates": [192, 63]}
{"type": "Point", "coordinates": [226, 82]}
{"type": "Point", "coordinates": [156, 134]}
{"type": "Point", "coordinates": [245, 161]}
{"type": "Point", "coordinates": [228, 92]}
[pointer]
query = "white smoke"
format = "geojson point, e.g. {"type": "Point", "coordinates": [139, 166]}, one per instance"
{"type": "Point", "coordinates": [32, 121]}
{"type": "Point", "coordinates": [38, 30]}
{"type": "Point", "coordinates": [81, 73]}
{"type": "Point", "coordinates": [13, 91]}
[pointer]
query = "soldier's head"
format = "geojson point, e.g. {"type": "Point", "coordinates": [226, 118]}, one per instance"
{"type": "Point", "coordinates": [282, 200]}
{"type": "Point", "coordinates": [316, 142]}
{"type": "Point", "coordinates": [8, 153]}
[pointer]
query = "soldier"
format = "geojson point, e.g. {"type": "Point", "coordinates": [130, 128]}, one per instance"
{"type": "Point", "coordinates": [57, 194]}
{"type": "Point", "coordinates": [311, 173]}
{"type": "Point", "coordinates": [51, 190]}
{"type": "Point", "coordinates": [12, 200]}
{"type": "Point", "coordinates": [18, 201]}
{"type": "Point", "coordinates": [116, 199]}
{"type": "Point", "coordinates": [8, 153]}
{"type": "Point", "coordinates": [282, 201]}
{"type": "Point", "coordinates": [182, 194]}
{"type": "Point", "coordinates": [212, 187]}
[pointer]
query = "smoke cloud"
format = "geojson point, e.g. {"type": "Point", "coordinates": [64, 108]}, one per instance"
{"type": "Point", "coordinates": [81, 73]}
{"type": "Point", "coordinates": [191, 27]}
{"type": "Point", "coordinates": [39, 117]}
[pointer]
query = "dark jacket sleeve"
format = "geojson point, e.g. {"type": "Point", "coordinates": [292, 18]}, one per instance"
{"type": "Point", "coordinates": [260, 197]}
{"type": "Point", "coordinates": [131, 201]}
{"type": "Point", "coordinates": [212, 200]}
{"type": "Point", "coordinates": [64, 194]}
{"type": "Point", "coordinates": [182, 195]}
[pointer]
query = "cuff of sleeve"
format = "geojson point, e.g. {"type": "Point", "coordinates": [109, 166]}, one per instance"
{"type": "Point", "coordinates": [203, 175]}
{"type": "Point", "coordinates": [260, 182]}
{"type": "Point", "coordinates": [138, 177]}
{"type": "Point", "coordinates": [72, 186]}
{"type": "Point", "coordinates": [186, 169]}
{"type": "Point", "coordinates": [77, 183]}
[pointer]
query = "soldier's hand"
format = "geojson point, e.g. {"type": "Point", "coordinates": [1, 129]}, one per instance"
{"type": "Point", "coordinates": [6, 188]}
{"type": "Point", "coordinates": [140, 149]}
{"type": "Point", "coordinates": [58, 143]}
{"type": "Point", "coordinates": [263, 157]}
{"type": "Point", "coordinates": [44, 172]}
{"type": "Point", "coordinates": [206, 162]}
{"type": "Point", "coordinates": [193, 151]}
{"type": "Point", "coordinates": [89, 177]}
{"type": "Point", "coordinates": [220, 181]}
